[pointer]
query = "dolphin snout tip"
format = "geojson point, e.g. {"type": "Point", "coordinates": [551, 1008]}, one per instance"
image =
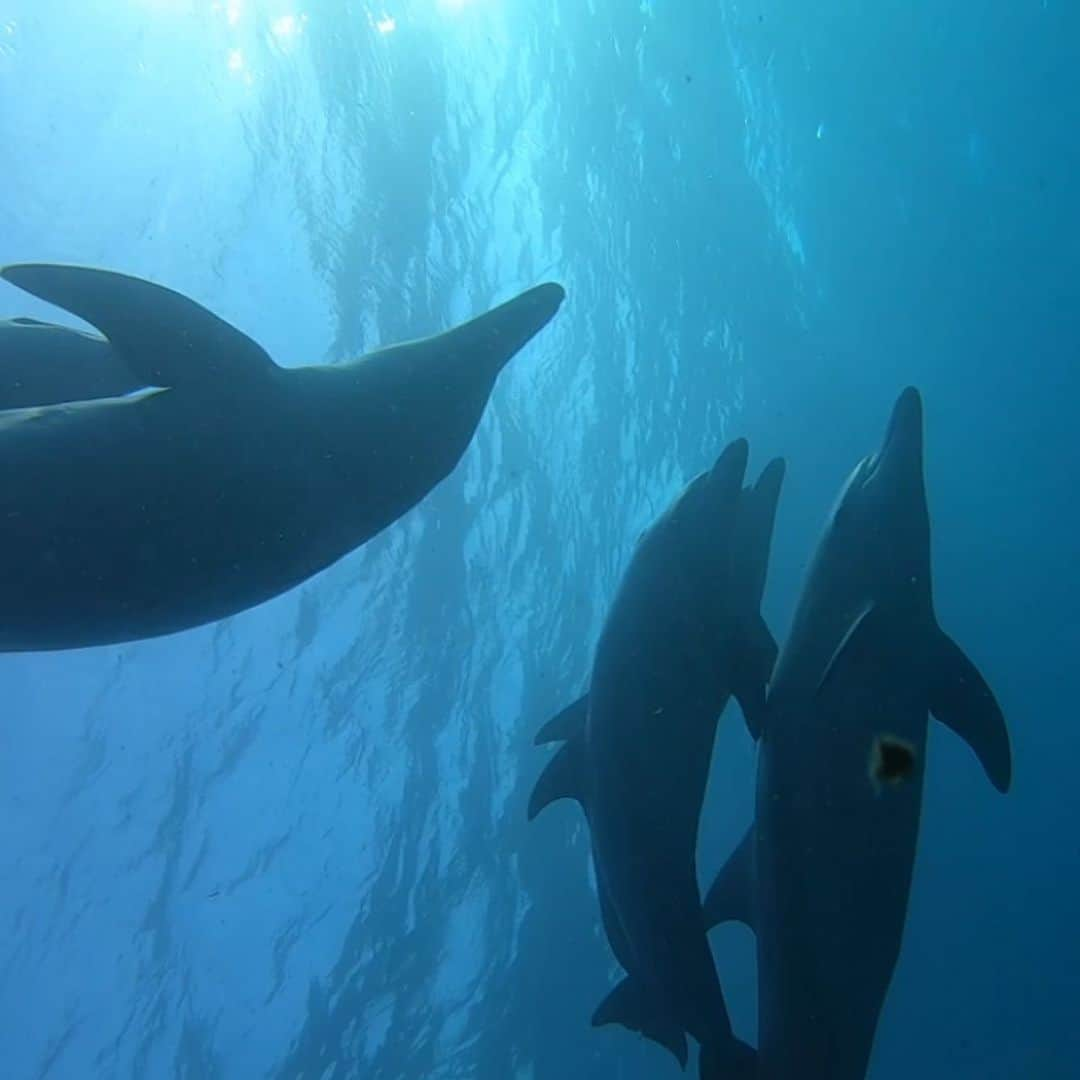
{"type": "Point", "coordinates": [910, 401]}
{"type": "Point", "coordinates": [549, 295]}
{"type": "Point", "coordinates": [904, 432]}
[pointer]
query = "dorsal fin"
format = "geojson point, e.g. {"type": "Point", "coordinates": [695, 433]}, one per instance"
{"type": "Point", "coordinates": [163, 337]}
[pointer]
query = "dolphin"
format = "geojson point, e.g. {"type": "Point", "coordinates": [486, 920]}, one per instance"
{"type": "Point", "coordinates": [683, 634]}
{"type": "Point", "coordinates": [199, 478]}
{"type": "Point", "coordinates": [824, 874]}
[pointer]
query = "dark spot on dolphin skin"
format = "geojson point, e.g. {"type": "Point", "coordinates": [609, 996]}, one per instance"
{"type": "Point", "coordinates": [892, 761]}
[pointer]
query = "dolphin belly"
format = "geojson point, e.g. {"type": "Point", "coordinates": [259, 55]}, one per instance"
{"type": "Point", "coordinates": [835, 857]}
{"type": "Point", "coordinates": [138, 520]}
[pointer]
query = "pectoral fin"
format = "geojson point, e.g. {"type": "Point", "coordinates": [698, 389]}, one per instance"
{"type": "Point", "coordinates": [630, 1005]}
{"type": "Point", "coordinates": [731, 898]}
{"type": "Point", "coordinates": [752, 667]}
{"type": "Point", "coordinates": [561, 778]}
{"type": "Point", "coordinates": [859, 635]}
{"type": "Point", "coordinates": [961, 699]}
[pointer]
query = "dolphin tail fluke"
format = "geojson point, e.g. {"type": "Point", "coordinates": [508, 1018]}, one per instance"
{"type": "Point", "coordinates": [961, 699]}
{"type": "Point", "coordinates": [727, 1059]}
{"type": "Point", "coordinates": [491, 339]}
{"type": "Point", "coordinates": [561, 778]}
{"type": "Point", "coordinates": [630, 1005]}
{"type": "Point", "coordinates": [566, 724]}
{"type": "Point", "coordinates": [731, 897]}
{"type": "Point", "coordinates": [163, 337]}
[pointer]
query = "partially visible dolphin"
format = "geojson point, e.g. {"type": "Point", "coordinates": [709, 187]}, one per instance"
{"type": "Point", "coordinates": [209, 479]}
{"type": "Point", "coordinates": [824, 875]}
{"type": "Point", "coordinates": [684, 632]}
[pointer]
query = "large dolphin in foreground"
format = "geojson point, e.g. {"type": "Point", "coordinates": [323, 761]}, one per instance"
{"type": "Point", "coordinates": [218, 479]}
{"type": "Point", "coordinates": [684, 632]}
{"type": "Point", "coordinates": [824, 875]}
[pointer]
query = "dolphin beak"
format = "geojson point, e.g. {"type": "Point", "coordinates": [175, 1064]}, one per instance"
{"type": "Point", "coordinates": [901, 453]}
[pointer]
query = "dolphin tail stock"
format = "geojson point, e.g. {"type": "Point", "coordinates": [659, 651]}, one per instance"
{"type": "Point", "coordinates": [962, 700]}
{"type": "Point", "coordinates": [727, 1058]}
{"type": "Point", "coordinates": [630, 1005]}
{"type": "Point", "coordinates": [491, 339]}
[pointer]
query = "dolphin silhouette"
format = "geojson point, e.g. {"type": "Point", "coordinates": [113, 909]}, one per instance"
{"type": "Point", "coordinates": [683, 634]}
{"type": "Point", "coordinates": [169, 474]}
{"type": "Point", "coordinates": [823, 876]}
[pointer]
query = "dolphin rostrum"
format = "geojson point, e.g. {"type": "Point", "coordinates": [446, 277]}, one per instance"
{"type": "Point", "coordinates": [168, 473]}
{"type": "Point", "coordinates": [683, 634]}
{"type": "Point", "coordinates": [823, 876]}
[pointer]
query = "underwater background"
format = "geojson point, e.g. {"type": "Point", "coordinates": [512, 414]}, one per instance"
{"type": "Point", "coordinates": [293, 844]}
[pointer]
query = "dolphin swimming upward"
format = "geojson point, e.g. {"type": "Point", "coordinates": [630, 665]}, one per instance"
{"type": "Point", "coordinates": [824, 875]}
{"type": "Point", "coordinates": [201, 479]}
{"type": "Point", "coordinates": [684, 632]}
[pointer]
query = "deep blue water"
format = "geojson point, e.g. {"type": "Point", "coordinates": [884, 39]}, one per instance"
{"type": "Point", "coordinates": [293, 844]}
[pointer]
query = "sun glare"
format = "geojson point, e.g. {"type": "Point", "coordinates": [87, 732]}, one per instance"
{"type": "Point", "coordinates": [286, 27]}
{"type": "Point", "coordinates": [386, 25]}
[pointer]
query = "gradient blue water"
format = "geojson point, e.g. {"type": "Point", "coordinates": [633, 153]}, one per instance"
{"type": "Point", "coordinates": [293, 844]}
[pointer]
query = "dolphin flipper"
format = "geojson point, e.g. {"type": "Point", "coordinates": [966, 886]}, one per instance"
{"type": "Point", "coordinates": [165, 338]}
{"type": "Point", "coordinates": [755, 649]}
{"type": "Point", "coordinates": [754, 523]}
{"type": "Point", "coordinates": [961, 699]}
{"type": "Point", "coordinates": [862, 627]}
{"type": "Point", "coordinates": [630, 1005]}
{"type": "Point", "coordinates": [752, 666]}
{"type": "Point", "coordinates": [727, 1059]}
{"type": "Point", "coordinates": [731, 897]}
{"type": "Point", "coordinates": [561, 778]}
{"type": "Point", "coordinates": [566, 724]}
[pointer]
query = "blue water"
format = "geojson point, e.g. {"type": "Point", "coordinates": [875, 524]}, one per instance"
{"type": "Point", "coordinates": [293, 844]}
